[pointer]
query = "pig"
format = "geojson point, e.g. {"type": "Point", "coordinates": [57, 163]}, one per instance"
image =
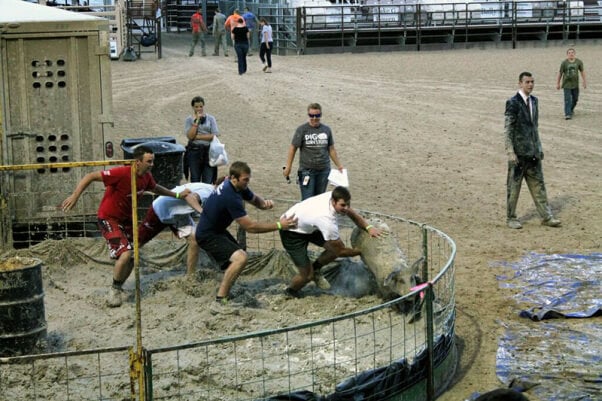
{"type": "Point", "coordinates": [383, 257]}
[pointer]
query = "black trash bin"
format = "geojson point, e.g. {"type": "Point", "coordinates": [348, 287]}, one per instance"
{"type": "Point", "coordinates": [129, 142]}
{"type": "Point", "coordinates": [167, 170]}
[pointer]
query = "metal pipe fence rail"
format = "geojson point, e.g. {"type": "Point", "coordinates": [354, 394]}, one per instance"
{"type": "Point", "coordinates": [374, 24]}
{"type": "Point", "coordinates": [330, 355]}
{"type": "Point", "coordinates": [96, 374]}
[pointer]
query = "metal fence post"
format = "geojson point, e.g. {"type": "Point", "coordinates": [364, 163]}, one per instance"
{"type": "Point", "coordinates": [430, 330]}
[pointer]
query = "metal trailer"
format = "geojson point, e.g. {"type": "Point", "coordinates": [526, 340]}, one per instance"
{"type": "Point", "coordinates": [56, 107]}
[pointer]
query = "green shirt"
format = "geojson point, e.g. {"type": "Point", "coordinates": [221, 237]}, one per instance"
{"type": "Point", "coordinates": [570, 73]}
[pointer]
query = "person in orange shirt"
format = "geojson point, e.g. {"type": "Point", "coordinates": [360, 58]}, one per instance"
{"type": "Point", "coordinates": [198, 31]}
{"type": "Point", "coordinates": [232, 20]}
{"type": "Point", "coordinates": [231, 23]}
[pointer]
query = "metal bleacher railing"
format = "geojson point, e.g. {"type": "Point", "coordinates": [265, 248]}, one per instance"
{"type": "Point", "coordinates": [302, 25]}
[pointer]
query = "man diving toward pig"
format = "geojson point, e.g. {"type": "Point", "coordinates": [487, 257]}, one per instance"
{"type": "Point", "coordinates": [317, 223]}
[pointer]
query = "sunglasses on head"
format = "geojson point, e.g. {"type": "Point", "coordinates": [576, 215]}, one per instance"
{"type": "Point", "coordinates": [318, 115]}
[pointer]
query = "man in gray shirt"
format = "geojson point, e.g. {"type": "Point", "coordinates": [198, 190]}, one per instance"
{"type": "Point", "coordinates": [219, 32]}
{"type": "Point", "coordinates": [316, 145]}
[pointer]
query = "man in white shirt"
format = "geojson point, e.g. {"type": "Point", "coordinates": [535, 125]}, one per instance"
{"type": "Point", "coordinates": [176, 214]}
{"type": "Point", "coordinates": [317, 223]}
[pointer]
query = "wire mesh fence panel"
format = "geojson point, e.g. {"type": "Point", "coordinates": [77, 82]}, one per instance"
{"type": "Point", "coordinates": [90, 375]}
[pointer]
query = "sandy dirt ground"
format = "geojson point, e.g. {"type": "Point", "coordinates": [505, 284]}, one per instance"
{"type": "Point", "coordinates": [421, 134]}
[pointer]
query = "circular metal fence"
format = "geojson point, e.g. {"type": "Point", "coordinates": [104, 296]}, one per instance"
{"type": "Point", "coordinates": [375, 353]}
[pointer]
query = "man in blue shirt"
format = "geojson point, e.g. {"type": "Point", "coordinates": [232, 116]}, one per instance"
{"type": "Point", "coordinates": [251, 23]}
{"type": "Point", "coordinates": [224, 206]}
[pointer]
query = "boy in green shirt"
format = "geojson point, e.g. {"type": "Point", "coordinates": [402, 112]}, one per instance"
{"type": "Point", "coordinates": [569, 75]}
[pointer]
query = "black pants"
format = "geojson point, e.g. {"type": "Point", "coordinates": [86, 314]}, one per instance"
{"type": "Point", "coordinates": [266, 53]}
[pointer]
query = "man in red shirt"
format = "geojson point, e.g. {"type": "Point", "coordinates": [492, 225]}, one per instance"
{"type": "Point", "coordinates": [198, 31]}
{"type": "Point", "coordinates": [115, 211]}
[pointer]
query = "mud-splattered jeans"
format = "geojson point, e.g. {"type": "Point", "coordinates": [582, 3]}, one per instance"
{"type": "Point", "coordinates": [532, 172]}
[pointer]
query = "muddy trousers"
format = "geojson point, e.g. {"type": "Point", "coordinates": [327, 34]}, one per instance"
{"type": "Point", "coordinates": [197, 37]}
{"type": "Point", "coordinates": [532, 172]}
{"type": "Point", "coordinates": [220, 39]}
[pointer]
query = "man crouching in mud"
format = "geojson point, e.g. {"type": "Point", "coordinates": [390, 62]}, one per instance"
{"type": "Point", "coordinates": [317, 223]}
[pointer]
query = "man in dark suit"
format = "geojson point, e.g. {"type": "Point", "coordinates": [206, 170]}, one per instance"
{"type": "Point", "coordinates": [525, 153]}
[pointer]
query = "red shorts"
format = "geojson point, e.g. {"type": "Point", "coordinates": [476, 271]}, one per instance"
{"type": "Point", "coordinates": [117, 235]}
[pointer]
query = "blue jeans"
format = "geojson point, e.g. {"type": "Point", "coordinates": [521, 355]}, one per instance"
{"type": "Point", "coordinates": [571, 96]}
{"type": "Point", "coordinates": [313, 182]}
{"type": "Point", "coordinates": [241, 52]}
{"type": "Point", "coordinates": [198, 163]}
{"type": "Point", "coordinates": [252, 39]}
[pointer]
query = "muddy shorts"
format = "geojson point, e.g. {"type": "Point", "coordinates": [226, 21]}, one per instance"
{"type": "Point", "coordinates": [220, 246]}
{"type": "Point", "coordinates": [296, 245]}
{"type": "Point", "coordinates": [117, 235]}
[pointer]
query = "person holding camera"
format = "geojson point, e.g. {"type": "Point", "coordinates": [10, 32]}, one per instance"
{"type": "Point", "coordinates": [200, 128]}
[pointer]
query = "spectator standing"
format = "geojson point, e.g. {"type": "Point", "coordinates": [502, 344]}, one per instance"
{"type": "Point", "coordinates": [251, 23]}
{"type": "Point", "coordinates": [219, 33]}
{"type": "Point", "coordinates": [265, 51]}
{"type": "Point", "coordinates": [316, 145]}
{"type": "Point", "coordinates": [225, 205]}
{"type": "Point", "coordinates": [525, 153]}
{"type": "Point", "coordinates": [569, 76]}
{"type": "Point", "coordinates": [115, 211]}
{"type": "Point", "coordinates": [240, 38]}
{"type": "Point", "coordinates": [200, 128]}
{"type": "Point", "coordinates": [198, 31]}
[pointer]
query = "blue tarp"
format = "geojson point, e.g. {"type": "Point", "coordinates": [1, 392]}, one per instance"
{"type": "Point", "coordinates": [552, 286]}
{"type": "Point", "coordinates": [563, 356]}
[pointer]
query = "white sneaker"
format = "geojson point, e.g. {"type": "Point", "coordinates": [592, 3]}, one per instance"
{"type": "Point", "coordinates": [320, 281]}
{"type": "Point", "coordinates": [114, 298]}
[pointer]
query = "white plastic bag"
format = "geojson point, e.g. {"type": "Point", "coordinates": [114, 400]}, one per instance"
{"type": "Point", "coordinates": [217, 153]}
